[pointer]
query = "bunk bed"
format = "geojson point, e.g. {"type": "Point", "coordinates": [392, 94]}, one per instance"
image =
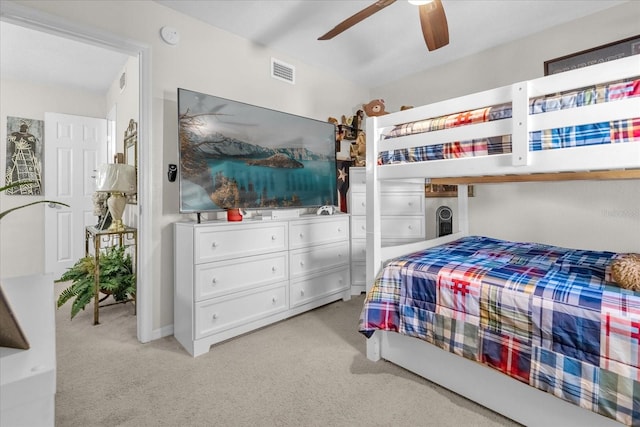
{"type": "Point", "coordinates": [526, 338]}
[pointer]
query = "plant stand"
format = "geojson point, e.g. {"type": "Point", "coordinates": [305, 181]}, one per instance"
{"type": "Point", "coordinates": [103, 239]}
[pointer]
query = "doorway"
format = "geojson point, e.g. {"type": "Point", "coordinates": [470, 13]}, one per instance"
{"type": "Point", "coordinates": [40, 21]}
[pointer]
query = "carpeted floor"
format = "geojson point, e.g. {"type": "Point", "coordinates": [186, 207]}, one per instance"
{"type": "Point", "coordinates": [310, 370]}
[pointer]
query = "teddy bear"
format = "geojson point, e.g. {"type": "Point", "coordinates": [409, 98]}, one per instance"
{"type": "Point", "coordinates": [625, 271]}
{"type": "Point", "coordinates": [374, 108]}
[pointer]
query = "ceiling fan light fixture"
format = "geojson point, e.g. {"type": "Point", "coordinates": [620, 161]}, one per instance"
{"type": "Point", "coordinates": [419, 2]}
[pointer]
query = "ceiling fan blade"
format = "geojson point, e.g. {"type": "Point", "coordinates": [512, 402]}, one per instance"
{"type": "Point", "coordinates": [434, 25]}
{"type": "Point", "coordinates": [354, 19]}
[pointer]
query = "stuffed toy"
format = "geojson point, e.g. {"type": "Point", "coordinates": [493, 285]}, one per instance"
{"type": "Point", "coordinates": [374, 108]}
{"type": "Point", "coordinates": [359, 150]}
{"type": "Point", "coordinates": [625, 271]}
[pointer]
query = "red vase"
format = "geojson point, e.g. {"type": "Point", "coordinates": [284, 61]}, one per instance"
{"type": "Point", "coordinates": [234, 215]}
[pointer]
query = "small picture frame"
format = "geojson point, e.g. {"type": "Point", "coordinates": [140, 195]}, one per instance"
{"type": "Point", "coordinates": [105, 221]}
{"type": "Point", "coordinates": [606, 52]}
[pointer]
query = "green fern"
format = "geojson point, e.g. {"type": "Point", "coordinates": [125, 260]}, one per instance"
{"type": "Point", "coordinates": [117, 278]}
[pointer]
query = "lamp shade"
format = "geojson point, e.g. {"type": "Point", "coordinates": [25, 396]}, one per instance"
{"type": "Point", "coordinates": [116, 178]}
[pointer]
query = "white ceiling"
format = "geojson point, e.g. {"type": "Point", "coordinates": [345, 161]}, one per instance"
{"type": "Point", "coordinates": [46, 59]}
{"type": "Point", "coordinates": [389, 44]}
{"type": "Point", "coordinates": [383, 48]}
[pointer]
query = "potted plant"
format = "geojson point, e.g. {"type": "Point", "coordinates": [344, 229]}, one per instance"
{"type": "Point", "coordinates": [16, 184]}
{"type": "Point", "coordinates": [117, 279]}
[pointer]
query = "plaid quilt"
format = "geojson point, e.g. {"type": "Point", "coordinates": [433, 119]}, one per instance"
{"type": "Point", "coordinates": [544, 315]}
{"type": "Point", "coordinates": [571, 136]}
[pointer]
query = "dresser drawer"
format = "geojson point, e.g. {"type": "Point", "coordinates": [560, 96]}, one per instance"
{"type": "Point", "coordinates": [307, 290]}
{"type": "Point", "coordinates": [223, 313]}
{"type": "Point", "coordinates": [224, 277]}
{"type": "Point", "coordinates": [358, 273]}
{"type": "Point", "coordinates": [318, 258]}
{"type": "Point", "coordinates": [241, 240]}
{"type": "Point", "coordinates": [358, 250]}
{"type": "Point", "coordinates": [391, 227]}
{"type": "Point", "coordinates": [358, 183]}
{"type": "Point", "coordinates": [317, 231]}
{"type": "Point", "coordinates": [400, 203]}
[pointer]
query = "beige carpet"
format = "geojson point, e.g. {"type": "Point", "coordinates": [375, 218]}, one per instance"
{"type": "Point", "coordinates": [306, 371]}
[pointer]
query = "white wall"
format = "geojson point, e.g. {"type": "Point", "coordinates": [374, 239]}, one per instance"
{"type": "Point", "coordinates": [22, 232]}
{"type": "Point", "coordinates": [207, 60]}
{"type": "Point", "coordinates": [587, 214]}
{"type": "Point", "coordinates": [126, 100]}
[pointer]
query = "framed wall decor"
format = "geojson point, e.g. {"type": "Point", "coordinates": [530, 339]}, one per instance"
{"type": "Point", "coordinates": [442, 190]}
{"type": "Point", "coordinates": [25, 139]}
{"type": "Point", "coordinates": [607, 52]}
{"type": "Point", "coordinates": [131, 152]}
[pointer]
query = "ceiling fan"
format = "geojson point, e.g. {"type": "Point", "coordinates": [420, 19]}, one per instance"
{"type": "Point", "coordinates": [432, 20]}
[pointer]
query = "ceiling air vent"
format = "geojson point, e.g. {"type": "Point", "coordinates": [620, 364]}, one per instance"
{"type": "Point", "coordinates": [283, 71]}
{"type": "Point", "coordinates": [123, 81]}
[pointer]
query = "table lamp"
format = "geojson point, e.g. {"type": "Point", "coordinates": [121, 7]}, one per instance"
{"type": "Point", "coordinates": [118, 180]}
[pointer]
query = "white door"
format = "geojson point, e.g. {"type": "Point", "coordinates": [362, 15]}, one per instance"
{"type": "Point", "coordinates": [74, 146]}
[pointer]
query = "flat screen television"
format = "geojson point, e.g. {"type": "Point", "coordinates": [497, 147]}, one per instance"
{"type": "Point", "coordinates": [237, 155]}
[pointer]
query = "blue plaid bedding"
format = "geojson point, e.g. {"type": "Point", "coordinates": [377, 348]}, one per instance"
{"type": "Point", "coordinates": [544, 315]}
{"type": "Point", "coordinates": [572, 136]}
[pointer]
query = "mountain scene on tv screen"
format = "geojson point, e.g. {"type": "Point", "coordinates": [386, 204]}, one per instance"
{"type": "Point", "coordinates": [219, 171]}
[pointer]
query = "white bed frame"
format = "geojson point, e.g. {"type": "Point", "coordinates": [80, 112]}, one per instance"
{"type": "Point", "coordinates": [489, 387]}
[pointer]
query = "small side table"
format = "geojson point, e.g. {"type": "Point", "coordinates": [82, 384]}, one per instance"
{"type": "Point", "coordinates": [104, 239]}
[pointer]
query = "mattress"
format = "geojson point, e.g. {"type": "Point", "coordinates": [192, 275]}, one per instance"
{"type": "Point", "coordinates": [605, 132]}
{"type": "Point", "coordinates": [545, 315]}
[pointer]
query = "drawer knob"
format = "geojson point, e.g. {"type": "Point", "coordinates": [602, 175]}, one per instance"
{"type": "Point", "coordinates": [410, 227]}
{"type": "Point", "coordinates": [410, 203]}
{"type": "Point", "coordinates": [363, 204]}
{"type": "Point", "coordinates": [214, 316]}
{"type": "Point", "coordinates": [301, 292]}
{"type": "Point", "coordinates": [339, 229]}
{"type": "Point", "coordinates": [273, 237]}
{"type": "Point", "coordinates": [274, 300]}
{"type": "Point", "coordinates": [214, 244]}
{"type": "Point", "coordinates": [363, 227]}
{"type": "Point", "coordinates": [213, 281]}
{"type": "Point", "coordinates": [301, 263]}
{"type": "Point", "coordinates": [273, 268]}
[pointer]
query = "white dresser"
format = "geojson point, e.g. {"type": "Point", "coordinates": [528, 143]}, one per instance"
{"type": "Point", "coordinates": [402, 220]}
{"type": "Point", "coordinates": [233, 277]}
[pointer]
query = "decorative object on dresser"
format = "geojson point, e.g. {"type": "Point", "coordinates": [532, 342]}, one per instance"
{"type": "Point", "coordinates": [234, 214]}
{"type": "Point", "coordinates": [403, 220]}
{"type": "Point", "coordinates": [119, 180]}
{"type": "Point", "coordinates": [231, 278]}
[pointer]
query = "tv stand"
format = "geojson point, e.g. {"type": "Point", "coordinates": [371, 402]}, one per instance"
{"type": "Point", "coordinates": [234, 277]}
